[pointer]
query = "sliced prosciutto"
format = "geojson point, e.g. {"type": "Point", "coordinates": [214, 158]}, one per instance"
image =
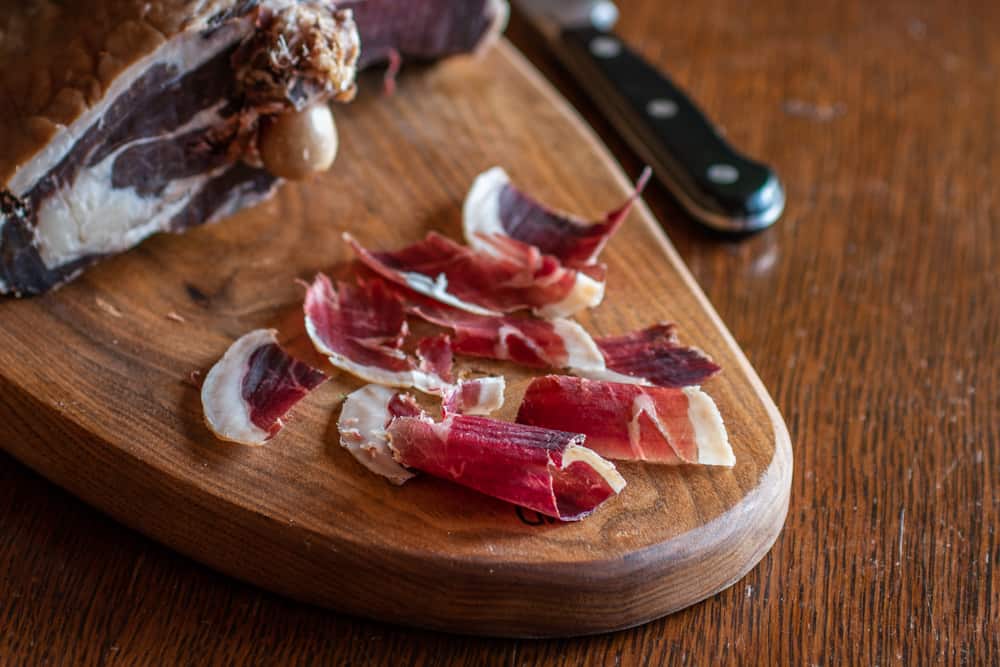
{"type": "Point", "coordinates": [436, 356]}
{"type": "Point", "coordinates": [555, 343]}
{"type": "Point", "coordinates": [364, 418]}
{"type": "Point", "coordinates": [651, 356]}
{"type": "Point", "coordinates": [548, 471]}
{"type": "Point", "coordinates": [631, 422]}
{"type": "Point", "coordinates": [254, 385]}
{"type": "Point", "coordinates": [512, 276]}
{"type": "Point", "coordinates": [482, 396]}
{"type": "Point", "coordinates": [495, 207]}
{"type": "Point", "coordinates": [361, 329]}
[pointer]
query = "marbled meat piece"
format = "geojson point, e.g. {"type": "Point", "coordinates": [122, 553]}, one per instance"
{"type": "Point", "coordinates": [254, 385]}
{"type": "Point", "coordinates": [361, 329]}
{"type": "Point", "coordinates": [548, 471]}
{"type": "Point", "coordinates": [495, 207]}
{"type": "Point", "coordinates": [513, 277]}
{"type": "Point", "coordinates": [436, 357]}
{"type": "Point", "coordinates": [651, 356]}
{"type": "Point", "coordinates": [553, 343]}
{"type": "Point", "coordinates": [480, 396]}
{"type": "Point", "coordinates": [631, 422]}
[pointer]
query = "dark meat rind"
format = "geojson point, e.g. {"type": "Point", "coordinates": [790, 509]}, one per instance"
{"type": "Point", "coordinates": [425, 30]}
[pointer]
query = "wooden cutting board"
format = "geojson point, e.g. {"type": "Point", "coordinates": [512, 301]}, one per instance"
{"type": "Point", "coordinates": [95, 391]}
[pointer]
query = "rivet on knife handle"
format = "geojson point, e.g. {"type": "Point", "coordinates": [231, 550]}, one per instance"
{"type": "Point", "coordinates": [716, 184]}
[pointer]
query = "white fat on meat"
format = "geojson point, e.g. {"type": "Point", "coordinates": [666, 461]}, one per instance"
{"type": "Point", "coordinates": [226, 413]}
{"type": "Point", "coordinates": [486, 394]}
{"type": "Point", "coordinates": [586, 293]}
{"type": "Point", "coordinates": [363, 420]}
{"type": "Point", "coordinates": [481, 210]}
{"type": "Point", "coordinates": [600, 465]}
{"type": "Point", "coordinates": [709, 430]}
{"type": "Point", "coordinates": [581, 350]}
{"type": "Point", "coordinates": [437, 289]}
{"type": "Point", "coordinates": [415, 378]}
{"type": "Point", "coordinates": [706, 421]}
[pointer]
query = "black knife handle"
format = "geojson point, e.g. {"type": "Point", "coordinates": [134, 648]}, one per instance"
{"type": "Point", "coordinates": [716, 184]}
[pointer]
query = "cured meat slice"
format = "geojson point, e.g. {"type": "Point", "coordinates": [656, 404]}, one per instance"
{"type": "Point", "coordinates": [632, 422]}
{"type": "Point", "coordinates": [127, 118]}
{"type": "Point", "coordinates": [482, 396]}
{"type": "Point", "coordinates": [551, 472]}
{"type": "Point", "coordinates": [651, 356]}
{"type": "Point", "coordinates": [495, 207]}
{"type": "Point", "coordinates": [555, 343]}
{"type": "Point", "coordinates": [361, 328]}
{"type": "Point", "coordinates": [436, 356]}
{"type": "Point", "coordinates": [364, 418]}
{"type": "Point", "coordinates": [515, 276]}
{"type": "Point", "coordinates": [249, 391]}
{"type": "Point", "coordinates": [366, 414]}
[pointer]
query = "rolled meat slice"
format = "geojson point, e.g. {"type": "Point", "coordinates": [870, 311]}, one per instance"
{"type": "Point", "coordinates": [368, 412]}
{"type": "Point", "coordinates": [631, 422]}
{"type": "Point", "coordinates": [247, 393]}
{"type": "Point", "coordinates": [495, 207]}
{"type": "Point", "coordinates": [548, 471]}
{"type": "Point", "coordinates": [126, 118]}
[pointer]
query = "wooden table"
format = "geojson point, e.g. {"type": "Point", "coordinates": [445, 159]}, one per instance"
{"type": "Point", "coordinates": [871, 312]}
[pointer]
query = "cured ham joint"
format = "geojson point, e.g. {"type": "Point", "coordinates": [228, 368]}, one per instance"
{"type": "Point", "coordinates": [121, 119]}
{"type": "Point", "coordinates": [548, 471]}
{"type": "Point", "coordinates": [632, 422]}
{"type": "Point", "coordinates": [494, 207]}
{"type": "Point", "coordinates": [254, 385]}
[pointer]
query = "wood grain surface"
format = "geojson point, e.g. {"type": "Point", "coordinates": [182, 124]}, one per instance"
{"type": "Point", "coordinates": [870, 311]}
{"type": "Point", "coordinates": [300, 516]}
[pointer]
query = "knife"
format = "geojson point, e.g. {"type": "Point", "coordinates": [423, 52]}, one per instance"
{"type": "Point", "coordinates": [717, 185]}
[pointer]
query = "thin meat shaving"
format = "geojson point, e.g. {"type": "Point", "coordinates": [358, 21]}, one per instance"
{"type": "Point", "coordinates": [513, 276]}
{"type": "Point", "coordinates": [364, 418]}
{"type": "Point", "coordinates": [481, 396]}
{"type": "Point", "coordinates": [367, 413]}
{"type": "Point", "coordinates": [249, 391]}
{"type": "Point", "coordinates": [630, 422]}
{"type": "Point", "coordinates": [651, 356]}
{"type": "Point", "coordinates": [494, 207]}
{"type": "Point", "coordinates": [548, 471]}
{"type": "Point", "coordinates": [361, 329]}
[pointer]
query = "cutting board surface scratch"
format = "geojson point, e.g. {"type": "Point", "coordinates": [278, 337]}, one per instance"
{"type": "Point", "coordinates": [96, 384]}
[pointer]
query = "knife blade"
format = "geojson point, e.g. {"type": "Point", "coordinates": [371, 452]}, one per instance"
{"type": "Point", "coordinates": [716, 184]}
